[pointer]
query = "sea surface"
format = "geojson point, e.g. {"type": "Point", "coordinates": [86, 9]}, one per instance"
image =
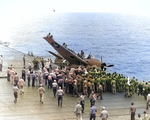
{"type": "Point", "coordinates": [122, 40]}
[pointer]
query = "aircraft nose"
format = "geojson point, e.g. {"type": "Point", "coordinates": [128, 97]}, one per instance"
{"type": "Point", "coordinates": [103, 67]}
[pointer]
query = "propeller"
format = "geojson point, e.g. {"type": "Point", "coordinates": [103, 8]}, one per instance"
{"type": "Point", "coordinates": [110, 65]}
{"type": "Point", "coordinates": [104, 66]}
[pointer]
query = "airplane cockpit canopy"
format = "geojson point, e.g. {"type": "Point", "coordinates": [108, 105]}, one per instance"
{"type": "Point", "coordinates": [89, 56]}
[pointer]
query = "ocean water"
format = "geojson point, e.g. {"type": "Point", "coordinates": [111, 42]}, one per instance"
{"type": "Point", "coordinates": [121, 40]}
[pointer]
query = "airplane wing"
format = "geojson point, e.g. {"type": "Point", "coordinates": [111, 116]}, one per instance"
{"type": "Point", "coordinates": [58, 56]}
{"type": "Point", "coordinates": [71, 57]}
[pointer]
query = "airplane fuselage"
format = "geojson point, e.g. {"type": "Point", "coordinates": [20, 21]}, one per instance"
{"type": "Point", "coordinates": [92, 62]}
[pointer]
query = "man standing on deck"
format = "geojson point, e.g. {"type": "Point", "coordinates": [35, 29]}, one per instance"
{"type": "Point", "coordinates": [49, 82]}
{"type": "Point", "coordinates": [42, 62]}
{"type": "Point", "coordinates": [132, 111]}
{"type": "Point", "coordinates": [93, 111]}
{"type": "Point", "coordinates": [24, 74]}
{"type": "Point", "coordinates": [16, 79]}
{"type": "Point", "coordinates": [85, 87]}
{"type": "Point", "coordinates": [41, 92]}
{"type": "Point", "coordinates": [145, 90]}
{"type": "Point", "coordinates": [8, 75]}
{"type": "Point", "coordinates": [24, 60]}
{"type": "Point", "coordinates": [29, 66]}
{"type": "Point", "coordinates": [21, 84]}
{"type": "Point", "coordinates": [15, 89]}
{"type": "Point", "coordinates": [104, 114]}
{"type": "Point", "coordinates": [47, 65]}
{"type": "Point", "coordinates": [54, 84]}
{"type": "Point", "coordinates": [100, 89]}
{"type": "Point", "coordinates": [1, 62]}
{"type": "Point", "coordinates": [82, 102]}
{"type": "Point", "coordinates": [28, 78]}
{"type": "Point", "coordinates": [148, 101]}
{"type": "Point", "coordinates": [77, 111]}
{"type": "Point", "coordinates": [12, 74]}
{"type": "Point", "coordinates": [60, 94]}
{"type": "Point", "coordinates": [92, 98]}
{"type": "Point", "coordinates": [33, 79]}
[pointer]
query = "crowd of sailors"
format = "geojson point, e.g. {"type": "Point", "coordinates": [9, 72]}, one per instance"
{"type": "Point", "coordinates": [81, 79]}
{"type": "Point", "coordinates": [89, 81]}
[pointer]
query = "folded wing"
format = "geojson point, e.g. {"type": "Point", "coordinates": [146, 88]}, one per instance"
{"type": "Point", "coordinates": [71, 57]}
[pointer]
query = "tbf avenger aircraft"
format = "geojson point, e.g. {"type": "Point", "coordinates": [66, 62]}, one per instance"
{"type": "Point", "coordinates": [73, 58]}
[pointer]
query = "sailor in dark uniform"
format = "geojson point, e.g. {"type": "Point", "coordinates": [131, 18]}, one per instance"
{"type": "Point", "coordinates": [24, 74]}
{"type": "Point", "coordinates": [33, 79]}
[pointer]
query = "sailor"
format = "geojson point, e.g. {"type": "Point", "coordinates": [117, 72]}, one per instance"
{"type": "Point", "coordinates": [132, 111]}
{"type": "Point", "coordinates": [16, 79]}
{"type": "Point", "coordinates": [131, 89]}
{"type": "Point", "coordinates": [66, 85]}
{"type": "Point", "coordinates": [60, 82]}
{"type": "Point", "coordinates": [100, 89]}
{"type": "Point", "coordinates": [145, 87]}
{"type": "Point", "coordinates": [47, 65]}
{"type": "Point", "coordinates": [42, 62]}
{"type": "Point", "coordinates": [24, 60]}
{"type": "Point", "coordinates": [92, 98]}
{"type": "Point", "coordinates": [133, 83]}
{"type": "Point", "coordinates": [104, 114]}
{"type": "Point", "coordinates": [29, 66]}
{"type": "Point", "coordinates": [49, 82]}
{"type": "Point", "coordinates": [70, 82]}
{"type": "Point", "coordinates": [93, 111]}
{"type": "Point", "coordinates": [145, 116]}
{"type": "Point", "coordinates": [82, 54]}
{"type": "Point", "coordinates": [50, 65]}
{"type": "Point", "coordinates": [1, 62]}
{"type": "Point", "coordinates": [127, 92]}
{"type": "Point", "coordinates": [79, 80]}
{"type": "Point", "coordinates": [41, 92]}
{"type": "Point", "coordinates": [40, 78]}
{"type": "Point", "coordinates": [55, 86]}
{"type": "Point", "coordinates": [136, 85]}
{"type": "Point", "coordinates": [139, 117]}
{"type": "Point", "coordinates": [8, 75]}
{"type": "Point", "coordinates": [103, 81]}
{"type": "Point", "coordinates": [85, 71]}
{"type": "Point", "coordinates": [12, 74]}
{"type": "Point", "coordinates": [89, 89]}
{"type": "Point", "coordinates": [28, 78]}
{"type": "Point", "coordinates": [64, 45]}
{"type": "Point", "coordinates": [48, 35]}
{"type": "Point", "coordinates": [148, 101]}
{"type": "Point", "coordinates": [24, 73]}
{"type": "Point", "coordinates": [82, 102]}
{"type": "Point", "coordinates": [128, 80]}
{"type": "Point", "coordinates": [85, 87]}
{"type": "Point", "coordinates": [46, 76]}
{"type": "Point", "coordinates": [21, 84]}
{"type": "Point", "coordinates": [36, 79]}
{"type": "Point", "coordinates": [60, 94]}
{"type": "Point", "coordinates": [120, 84]}
{"type": "Point", "coordinates": [133, 80]}
{"type": "Point", "coordinates": [15, 89]}
{"type": "Point", "coordinates": [77, 111]}
{"type": "Point", "coordinates": [113, 86]}
{"type": "Point", "coordinates": [33, 79]}
{"type": "Point", "coordinates": [75, 88]}
{"type": "Point", "coordinates": [140, 88]}
{"type": "Point", "coordinates": [89, 57]}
